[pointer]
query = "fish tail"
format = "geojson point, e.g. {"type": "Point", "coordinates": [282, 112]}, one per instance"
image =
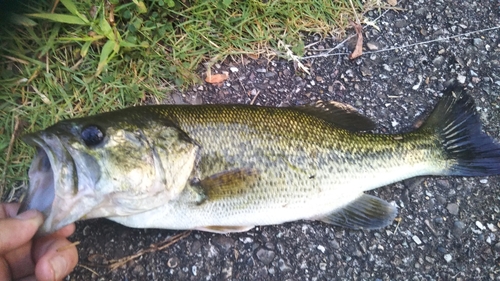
{"type": "Point", "coordinates": [467, 149]}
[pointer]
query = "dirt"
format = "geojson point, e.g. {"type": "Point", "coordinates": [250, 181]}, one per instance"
{"type": "Point", "coordinates": [448, 228]}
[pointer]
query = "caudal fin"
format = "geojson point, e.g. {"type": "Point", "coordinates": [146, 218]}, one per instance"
{"type": "Point", "coordinates": [468, 150]}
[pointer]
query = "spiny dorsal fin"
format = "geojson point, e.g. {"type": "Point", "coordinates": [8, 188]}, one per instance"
{"type": "Point", "coordinates": [228, 183]}
{"type": "Point", "coordinates": [367, 212]}
{"type": "Point", "coordinates": [340, 114]}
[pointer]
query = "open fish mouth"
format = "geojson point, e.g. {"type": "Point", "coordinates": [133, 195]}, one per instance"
{"type": "Point", "coordinates": [51, 170]}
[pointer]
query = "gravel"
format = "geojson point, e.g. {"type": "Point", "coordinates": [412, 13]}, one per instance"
{"type": "Point", "coordinates": [448, 227]}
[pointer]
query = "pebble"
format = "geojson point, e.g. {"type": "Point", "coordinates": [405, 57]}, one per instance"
{"type": "Point", "coordinates": [417, 240]}
{"type": "Point", "coordinates": [194, 270]}
{"type": "Point", "coordinates": [265, 256]}
{"type": "Point", "coordinates": [173, 262]}
{"type": "Point", "coordinates": [458, 228]}
{"type": "Point", "coordinates": [483, 181]}
{"type": "Point", "coordinates": [480, 225]}
{"type": "Point", "coordinates": [246, 240]}
{"type": "Point", "coordinates": [372, 46]}
{"type": "Point", "coordinates": [461, 79]}
{"type": "Point", "coordinates": [322, 266]}
{"type": "Point", "coordinates": [491, 227]}
{"type": "Point", "coordinates": [321, 248]}
{"type": "Point", "coordinates": [284, 267]}
{"type": "Point", "coordinates": [478, 42]}
{"type": "Point", "coordinates": [438, 61]}
{"type": "Point", "coordinates": [224, 242]}
{"type": "Point", "coordinates": [452, 208]}
{"type": "Point", "coordinates": [447, 257]}
{"type": "Point", "coordinates": [335, 244]}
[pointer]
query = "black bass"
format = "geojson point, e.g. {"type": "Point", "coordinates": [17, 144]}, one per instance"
{"type": "Point", "coordinates": [226, 168]}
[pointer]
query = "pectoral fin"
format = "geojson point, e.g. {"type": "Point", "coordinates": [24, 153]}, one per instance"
{"type": "Point", "coordinates": [228, 183]}
{"type": "Point", "coordinates": [367, 212]}
{"type": "Point", "coordinates": [222, 229]}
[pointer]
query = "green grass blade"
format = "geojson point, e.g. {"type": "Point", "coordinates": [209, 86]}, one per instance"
{"type": "Point", "coordinates": [73, 10]}
{"type": "Point", "coordinates": [21, 20]}
{"type": "Point", "coordinates": [59, 18]}
{"type": "Point", "coordinates": [105, 53]}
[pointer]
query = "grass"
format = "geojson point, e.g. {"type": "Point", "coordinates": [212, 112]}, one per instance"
{"type": "Point", "coordinates": [74, 58]}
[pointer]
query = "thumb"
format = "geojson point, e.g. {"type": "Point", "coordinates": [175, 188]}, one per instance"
{"type": "Point", "coordinates": [18, 230]}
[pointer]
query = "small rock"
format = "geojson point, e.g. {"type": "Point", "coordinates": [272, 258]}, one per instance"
{"type": "Point", "coordinates": [458, 228]}
{"type": "Point", "coordinates": [452, 208]}
{"type": "Point", "coordinates": [438, 61]}
{"type": "Point", "coordinates": [478, 42]}
{"type": "Point", "coordinates": [401, 23]}
{"type": "Point", "coordinates": [224, 242]}
{"type": "Point", "coordinates": [447, 257]}
{"type": "Point", "coordinates": [322, 266]}
{"type": "Point", "coordinates": [233, 69]}
{"type": "Point", "coordinates": [194, 270]}
{"type": "Point", "coordinates": [483, 181]}
{"type": "Point", "coordinates": [283, 266]}
{"type": "Point", "coordinates": [461, 79]}
{"type": "Point", "coordinates": [492, 227]}
{"type": "Point", "coordinates": [246, 240]}
{"type": "Point", "coordinates": [265, 256]}
{"type": "Point", "coordinates": [335, 244]}
{"type": "Point", "coordinates": [417, 240]}
{"type": "Point", "coordinates": [321, 248]}
{"type": "Point", "coordinates": [173, 262]}
{"type": "Point", "coordinates": [139, 270]}
{"type": "Point", "coordinates": [480, 225]}
{"type": "Point", "coordinates": [372, 46]}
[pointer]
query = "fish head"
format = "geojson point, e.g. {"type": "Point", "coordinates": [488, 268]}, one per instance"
{"type": "Point", "coordinates": [106, 166]}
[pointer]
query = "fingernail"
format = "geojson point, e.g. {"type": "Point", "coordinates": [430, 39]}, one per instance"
{"type": "Point", "coordinates": [59, 266]}
{"type": "Point", "coordinates": [28, 215]}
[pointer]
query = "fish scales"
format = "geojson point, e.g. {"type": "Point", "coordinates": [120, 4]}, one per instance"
{"type": "Point", "coordinates": [301, 161]}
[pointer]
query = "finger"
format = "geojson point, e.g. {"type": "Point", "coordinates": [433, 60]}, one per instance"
{"type": "Point", "coordinates": [65, 231]}
{"type": "Point", "coordinates": [8, 210]}
{"type": "Point", "coordinates": [17, 231]}
{"type": "Point", "coordinates": [19, 262]}
{"type": "Point", "coordinates": [55, 258]}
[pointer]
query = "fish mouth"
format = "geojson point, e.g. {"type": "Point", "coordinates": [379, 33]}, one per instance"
{"type": "Point", "coordinates": [51, 173]}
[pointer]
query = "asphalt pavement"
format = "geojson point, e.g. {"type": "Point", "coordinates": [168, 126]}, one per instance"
{"type": "Point", "coordinates": [447, 227]}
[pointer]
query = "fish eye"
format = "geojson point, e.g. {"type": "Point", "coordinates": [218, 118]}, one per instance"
{"type": "Point", "coordinates": [92, 135]}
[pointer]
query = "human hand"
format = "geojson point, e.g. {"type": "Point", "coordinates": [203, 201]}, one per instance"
{"type": "Point", "coordinates": [24, 257]}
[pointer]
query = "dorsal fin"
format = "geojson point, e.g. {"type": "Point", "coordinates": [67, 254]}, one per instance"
{"type": "Point", "coordinates": [340, 114]}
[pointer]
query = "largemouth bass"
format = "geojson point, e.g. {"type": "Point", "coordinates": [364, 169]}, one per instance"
{"type": "Point", "coordinates": [227, 168]}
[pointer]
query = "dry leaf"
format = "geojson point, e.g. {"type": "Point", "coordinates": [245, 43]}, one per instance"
{"type": "Point", "coordinates": [358, 50]}
{"type": "Point", "coordinates": [392, 2]}
{"type": "Point", "coordinates": [217, 78]}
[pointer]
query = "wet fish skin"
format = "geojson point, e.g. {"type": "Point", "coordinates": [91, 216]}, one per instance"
{"type": "Point", "coordinates": [253, 165]}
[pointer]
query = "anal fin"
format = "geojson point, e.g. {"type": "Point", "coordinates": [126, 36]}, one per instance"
{"type": "Point", "coordinates": [222, 229]}
{"type": "Point", "coordinates": [366, 212]}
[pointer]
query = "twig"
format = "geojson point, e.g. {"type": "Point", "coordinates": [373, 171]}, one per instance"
{"type": "Point", "coordinates": [255, 97]}
{"type": "Point", "coordinates": [153, 248]}
{"type": "Point", "coordinates": [68, 246]}
{"type": "Point", "coordinates": [88, 268]}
